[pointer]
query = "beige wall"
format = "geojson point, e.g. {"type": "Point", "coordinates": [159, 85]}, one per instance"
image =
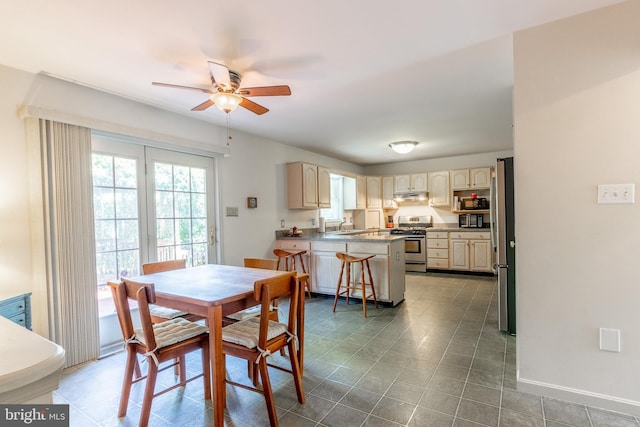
{"type": "Point", "coordinates": [577, 125]}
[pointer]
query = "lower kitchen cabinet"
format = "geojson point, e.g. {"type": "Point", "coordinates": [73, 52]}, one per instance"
{"type": "Point", "coordinates": [481, 255]}
{"type": "Point", "coordinates": [470, 251]}
{"type": "Point", "coordinates": [325, 266]}
{"type": "Point", "coordinates": [438, 250]}
{"type": "Point", "coordinates": [387, 267]}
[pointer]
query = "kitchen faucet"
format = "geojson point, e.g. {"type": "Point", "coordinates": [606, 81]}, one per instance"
{"type": "Point", "coordinates": [340, 227]}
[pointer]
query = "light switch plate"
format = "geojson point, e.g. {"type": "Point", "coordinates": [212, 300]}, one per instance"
{"type": "Point", "coordinates": [616, 194]}
{"type": "Point", "coordinates": [610, 339]}
{"type": "Point", "coordinates": [232, 211]}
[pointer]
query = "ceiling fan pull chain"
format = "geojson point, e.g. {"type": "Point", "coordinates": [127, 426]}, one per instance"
{"type": "Point", "coordinates": [228, 136]}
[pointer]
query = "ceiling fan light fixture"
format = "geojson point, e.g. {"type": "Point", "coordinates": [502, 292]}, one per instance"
{"type": "Point", "coordinates": [225, 101]}
{"type": "Point", "coordinates": [403, 147]}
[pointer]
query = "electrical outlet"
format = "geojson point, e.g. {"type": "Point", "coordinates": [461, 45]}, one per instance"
{"type": "Point", "coordinates": [616, 194]}
{"type": "Point", "coordinates": [313, 221]}
{"type": "Point", "coordinates": [282, 223]}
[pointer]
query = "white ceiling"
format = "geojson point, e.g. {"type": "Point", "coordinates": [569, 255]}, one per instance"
{"type": "Point", "coordinates": [362, 74]}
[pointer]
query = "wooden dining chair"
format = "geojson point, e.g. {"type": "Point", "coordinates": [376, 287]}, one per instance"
{"type": "Point", "coordinates": [158, 343]}
{"type": "Point", "coordinates": [159, 313]}
{"type": "Point", "coordinates": [267, 264]}
{"type": "Point", "coordinates": [257, 338]}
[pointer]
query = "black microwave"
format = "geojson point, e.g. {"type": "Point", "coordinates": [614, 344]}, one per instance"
{"type": "Point", "coordinates": [477, 203]}
{"type": "Point", "coordinates": [471, 221]}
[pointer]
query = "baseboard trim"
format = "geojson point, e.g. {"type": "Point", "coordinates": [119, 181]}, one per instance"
{"type": "Point", "coordinates": [596, 400]}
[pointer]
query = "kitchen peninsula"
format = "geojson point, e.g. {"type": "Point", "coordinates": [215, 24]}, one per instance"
{"type": "Point", "coordinates": [387, 266]}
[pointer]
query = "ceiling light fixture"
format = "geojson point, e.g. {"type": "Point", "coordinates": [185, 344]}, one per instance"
{"type": "Point", "coordinates": [403, 147]}
{"type": "Point", "coordinates": [225, 101]}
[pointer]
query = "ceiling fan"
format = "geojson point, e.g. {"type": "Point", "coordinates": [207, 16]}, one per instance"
{"type": "Point", "coordinates": [227, 94]}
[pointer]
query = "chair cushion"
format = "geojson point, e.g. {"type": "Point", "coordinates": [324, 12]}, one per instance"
{"type": "Point", "coordinates": [165, 312]}
{"type": "Point", "coordinates": [173, 331]}
{"type": "Point", "coordinates": [248, 312]}
{"type": "Point", "coordinates": [246, 332]}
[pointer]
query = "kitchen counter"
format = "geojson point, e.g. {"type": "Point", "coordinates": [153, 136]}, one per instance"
{"type": "Point", "coordinates": [387, 264]}
{"type": "Point", "coordinates": [367, 236]}
{"type": "Point", "coordinates": [31, 365]}
{"type": "Point", "coordinates": [335, 237]}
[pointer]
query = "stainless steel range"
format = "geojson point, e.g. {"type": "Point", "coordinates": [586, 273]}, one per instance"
{"type": "Point", "coordinates": [415, 244]}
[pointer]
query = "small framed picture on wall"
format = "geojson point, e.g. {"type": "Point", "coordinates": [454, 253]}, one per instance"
{"type": "Point", "coordinates": [252, 202]}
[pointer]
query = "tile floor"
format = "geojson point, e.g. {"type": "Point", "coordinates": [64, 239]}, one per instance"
{"type": "Point", "coordinates": [435, 360]}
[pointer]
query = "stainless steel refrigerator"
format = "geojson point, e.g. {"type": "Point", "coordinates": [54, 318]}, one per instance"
{"type": "Point", "coordinates": [503, 235]}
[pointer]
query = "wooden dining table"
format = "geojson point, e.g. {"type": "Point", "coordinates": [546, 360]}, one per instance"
{"type": "Point", "coordinates": [214, 291]}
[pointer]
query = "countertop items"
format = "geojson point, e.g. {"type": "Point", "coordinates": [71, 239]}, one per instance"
{"type": "Point", "coordinates": [31, 365]}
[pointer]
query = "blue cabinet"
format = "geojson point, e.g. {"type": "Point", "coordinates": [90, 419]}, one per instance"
{"type": "Point", "coordinates": [17, 309]}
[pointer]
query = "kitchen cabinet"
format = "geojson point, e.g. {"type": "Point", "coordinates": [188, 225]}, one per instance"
{"type": "Point", "coordinates": [361, 192]}
{"type": "Point", "coordinates": [387, 193]}
{"type": "Point", "coordinates": [325, 266]}
{"type": "Point", "coordinates": [439, 193]}
{"type": "Point", "coordinates": [324, 187]}
{"type": "Point", "coordinates": [459, 179]}
{"type": "Point", "coordinates": [470, 251]}
{"type": "Point", "coordinates": [348, 193]}
{"type": "Point", "coordinates": [438, 250]}
{"type": "Point", "coordinates": [387, 269]}
{"type": "Point", "coordinates": [308, 186]}
{"type": "Point", "coordinates": [465, 182]}
{"type": "Point", "coordinates": [469, 179]}
{"type": "Point", "coordinates": [480, 177]}
{"type": "Point", "coordinates": [374, 192]}
{"type": "Point", "coordinates": [413, 183]}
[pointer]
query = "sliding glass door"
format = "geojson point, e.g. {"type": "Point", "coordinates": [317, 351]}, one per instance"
{"type": "Point", "coordinates": [149, 205]}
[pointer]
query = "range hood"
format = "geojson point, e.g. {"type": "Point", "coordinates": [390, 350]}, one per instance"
{"type": "Point", "coordinates": [411, 197]}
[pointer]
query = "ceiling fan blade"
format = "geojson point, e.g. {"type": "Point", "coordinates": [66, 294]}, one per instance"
{"type": "Point", "coordinates": [220, 75]}
{"type": "Point", "coordinates": [209, 91]}
{"type": "Point", "coordinates": [252, 106]}
{"type": "Point", "coordinates": [206, 104]}
{"type": "Point", "coordinates": [283, 90]}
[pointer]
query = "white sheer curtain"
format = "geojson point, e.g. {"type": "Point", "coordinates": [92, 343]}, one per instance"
{"type": "Point", "coordinates": [69, 239]}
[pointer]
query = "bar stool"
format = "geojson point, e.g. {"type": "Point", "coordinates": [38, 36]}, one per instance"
{"type": "Point", "coordinates": [352, 283]}
{"type": "Point", "coordinates": [290, 259]}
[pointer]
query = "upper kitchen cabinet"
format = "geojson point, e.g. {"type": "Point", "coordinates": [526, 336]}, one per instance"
{"type": "Point", "coordinates": [413, 183]}
{"type": "Point", "coordinates": [361, 192]}
{"type": "Point", "coordinates": [309, 186]}
{"type": "Point", "coordinates": [374, 192]}
{"type": "Point", "coordinates": [480, 177]}
{"type": "Point", "coordinates": [439, 194]}
{"type": "Point", "coordinates": [387, 193]}
{"type": "Point", "coordinates": [466, 179]}
{"type": "Point", "coordinates": [324, 187]}
{"type": "Point", "coordinates": [354, 192]}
